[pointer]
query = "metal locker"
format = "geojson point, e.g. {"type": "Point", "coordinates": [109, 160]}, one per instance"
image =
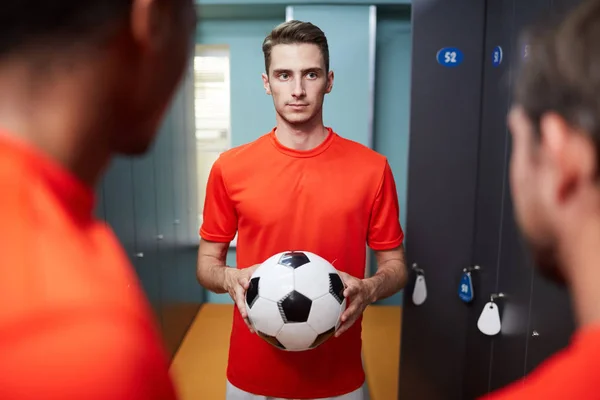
{"type": "Point", "coordinates": [445, 101]}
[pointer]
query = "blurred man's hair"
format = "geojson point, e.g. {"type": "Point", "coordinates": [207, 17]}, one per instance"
{"type": "Point", "coordinates": [45, 24]}
{"type": "Point", "coordinates": [561, 72]}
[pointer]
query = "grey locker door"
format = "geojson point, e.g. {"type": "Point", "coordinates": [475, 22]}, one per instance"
{"type": "Point", "coordinates": [491, 188]}
{"type": "Point", "coordinates": [165, 206]}
{"type": "Point", "coordinates": [118, 202]}
{"type": "Point", "coordinates": [514, 269]}
{"type": "Point", "coordinates": [180, 168]}
{"type": "Point", "coordinates": [146, 231]}
{"type": "Point", "coordinates": [444, 132]}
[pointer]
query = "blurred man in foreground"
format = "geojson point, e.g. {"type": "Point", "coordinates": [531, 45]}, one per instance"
{"type": "Point", "coordinates": [555, 177]}
{"type": "Point", "coordinates": [80, 81]}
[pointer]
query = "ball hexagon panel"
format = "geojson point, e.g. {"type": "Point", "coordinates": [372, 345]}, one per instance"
{"type": "Point", "coordinates": [252, 292]}
{"type": "Point", "coordinates": [272, 340]}
{"type": "Point", "coordinates": [311, 280]}
{"type": "Point", "coordinates": [297, 337]}
{"type": "Point", "coordinates": [294, 259]}
{"type": "Point", "coordinates": [324, 314]}
{"type": "Point", "coordinates": [322, 338]}
{"type": "Point", "coordinates": [265, 317]}
{"type": "Point", "coordinates": [275, 282]}
{"type": "Point", "coordinates": [295, 307]}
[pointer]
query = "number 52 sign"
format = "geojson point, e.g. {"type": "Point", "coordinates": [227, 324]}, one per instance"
{"type": "Point", "coordinates": [449, 57]}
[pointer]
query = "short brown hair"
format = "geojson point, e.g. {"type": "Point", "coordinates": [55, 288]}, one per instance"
{"type": "Point", "coordinates": [561, 72]}
{"type": "Point", "coordinates": [292, 32]}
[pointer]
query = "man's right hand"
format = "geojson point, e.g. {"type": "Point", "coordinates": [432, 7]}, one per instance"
{"type": "Point", "coordinates": [236, 283]}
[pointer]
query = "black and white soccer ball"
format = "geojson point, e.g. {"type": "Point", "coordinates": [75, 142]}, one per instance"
{"type": "Point", "coordinates": [295, 300]}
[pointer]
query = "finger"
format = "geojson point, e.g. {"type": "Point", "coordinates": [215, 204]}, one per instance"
{"type": "Point", "coordinates": [350, 290]}
{"type": "Point", "coordinates": [242, 308]}
{"type": "Point", "coordinates": [247, 321]}
{"type": "Point", "coordinates": [345, 277]}
{"type": "Point", "coordinates": [348, 313]}
{"type": "Point", "coordinates": [241, 304]}
{"type": "Point", "coordinates": [239, 300]}
{"type": "Point", "coordinates": [345, 326]}
{"type": "Point", "coordinates": [244, 282]}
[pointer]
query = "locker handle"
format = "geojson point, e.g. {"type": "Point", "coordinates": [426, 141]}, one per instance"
{"type": "Point", "coordinates": [471, 269]}
{"type": "Point", "coordinates": [496, 296]}
{"type": "Point", "coordinates": [418, 270]}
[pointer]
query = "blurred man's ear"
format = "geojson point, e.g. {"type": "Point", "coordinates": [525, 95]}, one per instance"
{"type": "Point", "coordinates": [151, 22]}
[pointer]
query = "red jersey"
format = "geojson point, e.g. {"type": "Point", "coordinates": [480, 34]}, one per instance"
{"type": "Point", "coordinates": [572, 373]}
{"type": "Point", "coordinates": [332, 200]}
{"type": "Point", "coordinates": [74, 323]}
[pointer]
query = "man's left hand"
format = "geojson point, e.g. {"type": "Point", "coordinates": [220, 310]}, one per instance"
{"type": "Point", "coordinates": [358, 292]}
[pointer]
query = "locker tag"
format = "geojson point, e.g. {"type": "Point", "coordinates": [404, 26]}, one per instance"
{"type": "Point", "coordinates": [497, 56]}
{"type": "Point", "coordinates": [489, 320]}
{"type": "Point", "coordinates": [420, 292]}
{"type": "Point", "coordinates": [449, 57]}
{"type": "Point", "coordinates": [465, 288]}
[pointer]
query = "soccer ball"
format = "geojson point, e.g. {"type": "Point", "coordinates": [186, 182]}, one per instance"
{"type": "Point", "coordinates": [295, 300]}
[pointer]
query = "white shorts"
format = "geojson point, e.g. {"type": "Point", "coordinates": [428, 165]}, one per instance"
{"type": "Point", "coordinates": [235, 393]}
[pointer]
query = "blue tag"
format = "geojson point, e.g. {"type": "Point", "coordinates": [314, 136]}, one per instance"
{"type": "Point", "coordinates": [465, 288]}
{"type": "Point", "coordinates": [497, 56]}
{"type": "Point", "coordinates": [449, 57]}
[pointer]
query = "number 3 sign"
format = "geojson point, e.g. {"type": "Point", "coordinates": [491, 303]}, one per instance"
{"type": "Point", "coordinates": [449, 57]}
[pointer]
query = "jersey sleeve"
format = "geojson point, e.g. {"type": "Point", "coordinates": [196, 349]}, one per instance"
{"type": "Point", "coordinates": [219, 223]}
{"type": "Point", "coordinates": [89, 357]}
{"type": "Point", "coordinates": [385, 232]}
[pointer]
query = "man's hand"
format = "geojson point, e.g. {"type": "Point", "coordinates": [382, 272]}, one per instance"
{"type": "Point", "coordinates": [358, 292]}
{"type": "Point", "coordinates": [236, 283]}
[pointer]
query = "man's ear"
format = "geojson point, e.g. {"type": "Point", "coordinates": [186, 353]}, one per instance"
{"type": "Point", "coordinates": [570, 154]}
{"type": "Point", "coordinates": [266, 84]}
{"type": "Point", "coordinates": [329, 86]}
{"type": "Point", "coordinates": [150, 23]}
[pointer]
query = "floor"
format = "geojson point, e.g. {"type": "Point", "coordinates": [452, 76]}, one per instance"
{"type": "Point", "coordinates": [175, 320]}
{"type": "Point", "coordinates": [199, 364]}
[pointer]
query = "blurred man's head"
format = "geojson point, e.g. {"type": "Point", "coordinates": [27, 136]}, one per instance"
{"type": "Point", "coordinates": [297, 73]}
{"type": "Point", "coordinates": [137, 51]}
{"type": "Point", "coordinates": [555, 125]}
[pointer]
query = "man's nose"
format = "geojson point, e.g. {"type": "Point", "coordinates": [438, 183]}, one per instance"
{"type": "Point", "coordinates": [298, 89]}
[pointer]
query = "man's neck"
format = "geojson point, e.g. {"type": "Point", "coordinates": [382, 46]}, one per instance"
{"type": "Point", "coordinates": [302, 137]}
{"type": "Point", "coordinates": [581, 256]}
{"type": "Point", "coordinates": [53, 115]}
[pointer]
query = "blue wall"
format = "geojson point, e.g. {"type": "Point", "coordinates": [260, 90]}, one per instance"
{"type": "Point", "coordinates": [392, 104]}
{"type": "Point", "coordinates": [252, 110]}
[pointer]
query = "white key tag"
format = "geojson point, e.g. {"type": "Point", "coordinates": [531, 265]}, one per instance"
{"type": "Point", "coordinates": [420, 291]}
{"type": "Point", "coordinates": [489, 320]}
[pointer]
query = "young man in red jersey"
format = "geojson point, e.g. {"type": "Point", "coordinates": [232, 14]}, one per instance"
{"type": "Point", "coordinates": [555, 178]}
{"type": "Point", "coordinates": [300, 186]}
{"type": "Point", "coordinates": [80, 81]}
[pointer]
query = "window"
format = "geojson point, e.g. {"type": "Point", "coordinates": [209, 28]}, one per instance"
{"type": "Point", "coordinates": [212, 111]}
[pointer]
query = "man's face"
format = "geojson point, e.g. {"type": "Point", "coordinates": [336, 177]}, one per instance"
{"type": "Point", "coordinates": [552, 181]}
{"type": "Point", "coordinates": [159, 41]}
{"type": "Point", "coordinates": [297, 81]}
